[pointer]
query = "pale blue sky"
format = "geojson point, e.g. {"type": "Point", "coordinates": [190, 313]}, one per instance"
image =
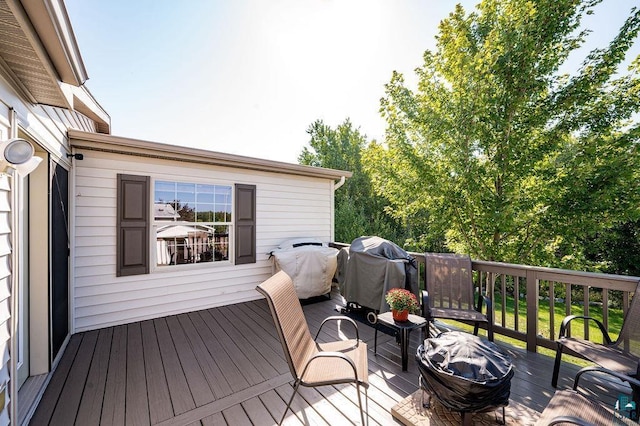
{"type": "Point", "coordinates": [248, 77]}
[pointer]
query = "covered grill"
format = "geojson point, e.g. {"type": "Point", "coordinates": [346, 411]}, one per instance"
{"type": "Point", "coordinates": [465, 373]}
{"type": "Point", "coordinates": [309, 262]}
{"type": "Point", "coordinates": [370, 268]}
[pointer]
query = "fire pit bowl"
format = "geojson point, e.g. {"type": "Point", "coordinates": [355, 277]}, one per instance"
{"type": "Point", "coordinates": [465, 373]}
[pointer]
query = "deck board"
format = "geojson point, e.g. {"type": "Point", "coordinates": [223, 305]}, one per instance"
{"type": "Point", "coordinates": [266, 369]}
{"type": "Point", "coordinates": [255, 317]}
{"type": "Point", "coordinates": [200, 390]}
{"type": "Point", "coordinates": [69, 402]}
{"type": "Point", "coordinates": [257, 412]}
{"type": "Point", "coordinates": [236, 416]}
{"type": "Point", "coordinates": [136, 400]}
{"type": "Point", "coordinates": [179, 390]}
{"type": "Point", "coordinates": [159, 398]}
{"type": "Point", "coordinates": [208, 368]}
{"type": "Point", "coordinates": [247, 367]}
{"type": "Point", "coordinates": [276, 406]}
{"type": "Point", "coordinates": [91, 404]}
{"type": "Point", "coordinates": [214, 420]}
{"type": "Point", "coordinates": [324, 406]}
{"type": "Point", "coordinates": [305, 413]}
{"type": "Point", "coordinates": [54, 389]}
{"type": "Point", "coordinates": [229, 369]}
{"type": "Point", "coordinates": [347, 408]}
{"type": "Point", "coordinates": [257, 340]}
{"type": "Point", "coordinates": [226, 366]}
{"type": "Point", "coordinates": [115, 388]}
{"type": "Point", "coordinates": [28, 395]}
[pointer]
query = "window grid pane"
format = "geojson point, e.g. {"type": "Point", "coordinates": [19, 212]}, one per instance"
{"type": "Point", "coordinates": [193, 222]}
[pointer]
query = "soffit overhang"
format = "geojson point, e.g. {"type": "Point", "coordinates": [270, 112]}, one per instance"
{"type": "Point", "coordinates": [38, 53]}
{"type": "Point", "coordinates": [51, 22]}
{"type": "Point", "coordinates": [25, 60]}
{"type": "Point", "coordinates": [40, 58]}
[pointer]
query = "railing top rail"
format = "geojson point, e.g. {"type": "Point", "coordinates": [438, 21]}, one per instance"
{"type": "Point", "coordinates": [553, 274]}
{"type": "Point", "coordinates": [595, 279]}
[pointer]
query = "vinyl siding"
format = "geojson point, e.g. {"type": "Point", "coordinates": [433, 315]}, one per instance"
{"type": "Point", "coordinates": [5, 291]}
{"type": "Point", "coordinates": [286, 207]}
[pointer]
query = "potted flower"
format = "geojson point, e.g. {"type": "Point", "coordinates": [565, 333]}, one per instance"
{"type": "Point", "coordinates": [402, 303]}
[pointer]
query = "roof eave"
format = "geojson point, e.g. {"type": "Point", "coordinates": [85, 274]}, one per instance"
{"type": "Point", "coordinates": [85, 103]}
{"type": "Point", "coordinates": [53, 27]}
{"type": "Point", "coordinates": [121, 145]}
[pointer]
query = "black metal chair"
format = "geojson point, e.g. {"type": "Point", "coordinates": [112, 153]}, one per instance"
{"type": "Point", "coordinates": [621, 355]}
{"type": "Point", "coordinates": [578, 408]}
{"type": "Point", "coordinates": [450, 293]}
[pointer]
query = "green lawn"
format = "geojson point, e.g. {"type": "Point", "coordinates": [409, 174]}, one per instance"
{"type": "Point", "coordinates": [544, 319]}
{"type": "Point", "coordinates": [544, 323]}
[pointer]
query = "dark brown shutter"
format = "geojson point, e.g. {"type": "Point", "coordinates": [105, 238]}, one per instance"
{"type": "Point", "coordinates": [132, 243]}
{"type": "Point", "coordinates": [245, 224]}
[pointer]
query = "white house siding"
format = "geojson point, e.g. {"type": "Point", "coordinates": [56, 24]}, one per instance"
{"type": "Point", "coordinates": [5, 291]}
{"type": "Point", "coordinates": [286, 207]}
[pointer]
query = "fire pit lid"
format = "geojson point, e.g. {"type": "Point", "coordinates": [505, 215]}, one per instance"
{"type": "Point", "coordinates": [464, 372]}
{"type": "Point", "coordinates": [466, 356]}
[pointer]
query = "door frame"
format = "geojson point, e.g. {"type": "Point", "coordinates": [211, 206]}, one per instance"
{"type": "Point", "coordinates": [38, 295]}
{"type": "Point", "coordinates": [21, 194]}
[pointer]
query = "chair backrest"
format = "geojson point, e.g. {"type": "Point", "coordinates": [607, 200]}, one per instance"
{"type": "Point", "coordinates": [297, 343]}
{"type": "Point", "coordinates": [629, 337]}
{"type": "Point", "coordinates": [449, 281]}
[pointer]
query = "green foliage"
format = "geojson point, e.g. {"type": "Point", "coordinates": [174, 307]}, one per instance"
{"type": "Point", "coordinates": [497, 154]}
{"type": "Point", "coordinates": [358, 210]}
{"type": "Point", "coordinates": [616, 250]}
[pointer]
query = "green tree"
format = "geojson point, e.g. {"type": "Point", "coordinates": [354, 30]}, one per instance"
{"type": "Point", "coordinates": [617, 250]}
{"type": "Point", "coordinates": [358, 210]}
{"type": "Point", "coordinates": [497, 151]}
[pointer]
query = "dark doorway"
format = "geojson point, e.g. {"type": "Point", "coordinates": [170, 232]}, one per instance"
{"type": "Point", "coordinates": [59, 259]}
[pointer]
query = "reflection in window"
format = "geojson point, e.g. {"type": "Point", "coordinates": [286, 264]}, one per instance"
{"type": "Point", "coordinates": [192, 222]}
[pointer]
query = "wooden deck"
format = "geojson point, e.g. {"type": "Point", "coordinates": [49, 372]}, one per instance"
{"type": "Point", "coordinates": [225, 366]}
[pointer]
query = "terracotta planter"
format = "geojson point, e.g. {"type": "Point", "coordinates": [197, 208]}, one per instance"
{"type": "Point", "coordinates": [400, 315]}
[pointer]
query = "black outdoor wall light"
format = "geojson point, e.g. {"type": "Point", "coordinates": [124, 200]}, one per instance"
{"type": "Point", "coordinates": [76, 156]}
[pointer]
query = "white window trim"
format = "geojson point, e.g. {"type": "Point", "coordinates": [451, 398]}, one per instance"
{"type": "Point", "coordinates": [154, 267]}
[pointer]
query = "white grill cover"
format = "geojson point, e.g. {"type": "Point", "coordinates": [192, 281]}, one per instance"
{"type": "Point", "coordinates": [310, 263]}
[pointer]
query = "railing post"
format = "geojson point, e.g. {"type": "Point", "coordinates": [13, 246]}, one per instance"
{"type": "Point", "coordinates": [533, 291]}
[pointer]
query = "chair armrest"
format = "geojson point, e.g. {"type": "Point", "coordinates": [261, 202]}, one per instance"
{"type": "Point", "coordinates": [568, 319]}
{"type": "Point", "coordinates": [631, 380]}
{"type": "Point", "coordinates": [569, 419]}
{"type": "Point", "coordinates": [425, 305]}
{"type": "Point", "coordinates": [330, 354]}
{"type": "Point", "coordinates": [339, 318]}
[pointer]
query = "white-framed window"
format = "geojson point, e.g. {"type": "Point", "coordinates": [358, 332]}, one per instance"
{"type": "Point", "coordinates": [192, 222]}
